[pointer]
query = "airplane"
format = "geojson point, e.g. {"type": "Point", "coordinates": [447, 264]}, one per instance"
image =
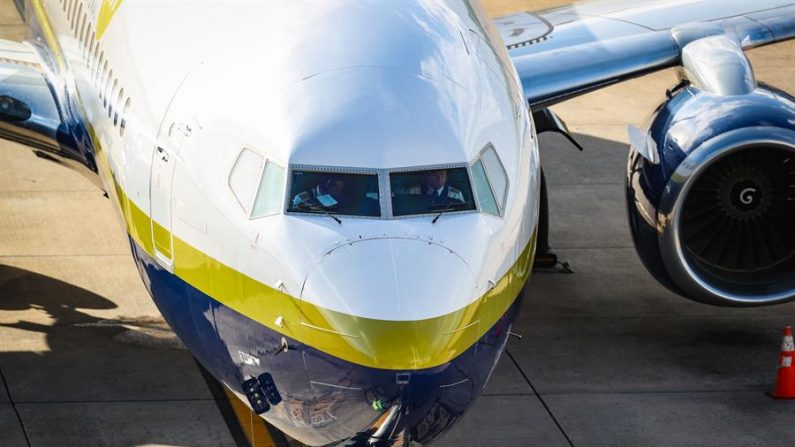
{"type": "Point", "coordinates": [337, 206]}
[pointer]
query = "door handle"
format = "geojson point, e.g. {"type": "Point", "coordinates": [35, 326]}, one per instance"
{"type": "Point", "coordinates": [163, 154]}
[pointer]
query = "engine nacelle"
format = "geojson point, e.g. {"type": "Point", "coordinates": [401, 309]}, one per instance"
{"type": "Point", "coordinates": [711, 199]}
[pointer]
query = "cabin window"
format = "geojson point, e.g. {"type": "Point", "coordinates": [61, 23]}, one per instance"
{"type": "Point", "coordinates": [106, 75]}
{"type": "Point", "coordinates": [92, 52]}
{"type": "Point", "coordinates": [116, 107]}
{"type": "Point", "coordinates": [72, 17]}
{"type": "Point", "coordinates": [271, 191]}
{"type": "Point", "coordinates": [332, 192]}
{"type": "Point", "coordinates": [110, 95]}
{"type": "Point", "coordinates": [124, 113]}
{"type": "Point", "coordinates": [430, 191]}
{"type": "Point", "coordinates": [80, 21]}
{"type": "Point", "coordinates": [82, 41]}
{"type": "Point", "coordinates": [103, 73]}
{"type": "Point", "coordinates": [244, 177]}
{"type": "Point", "coordinates": [83, 28]}
{"type": "Point", "coordinates": [87, 39]}
{"type": "Point", "coordinates": [486, 200]}
{"type": "Point", "coordinates": [97, 69]}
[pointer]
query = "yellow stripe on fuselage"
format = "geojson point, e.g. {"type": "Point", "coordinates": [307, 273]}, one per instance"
{"type": "Point", "coordinates": [397, 345]}
{"type": "Point", "coordinates": [369, 342]}
{"type": "Point", "coordinates": [107, 10]}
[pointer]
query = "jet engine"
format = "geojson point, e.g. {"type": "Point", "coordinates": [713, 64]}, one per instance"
{"type": "Point", "coordinates": [711, 184]}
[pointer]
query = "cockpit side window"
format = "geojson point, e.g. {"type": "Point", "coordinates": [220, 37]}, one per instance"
{"type": "Point", "coordinates": [430, 191]}
{"type": "Point", "coordinates": [491, 182]}
{"type": "Point", "coordinates": [244, 177]}
{"type": "Point", "coordinates": [327, 192]}
{"type": "Point", "coordinates": [497, 175]}
{"type": "Point", "coordinates": [485, 196]}
{"type": "Point", "coordinates": [271, 191]}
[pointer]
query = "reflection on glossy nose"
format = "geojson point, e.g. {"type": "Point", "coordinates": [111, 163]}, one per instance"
{"type": "Point", "coordinates": [390, 302]}
{"type": "Point", "coordinates": [397, 279]}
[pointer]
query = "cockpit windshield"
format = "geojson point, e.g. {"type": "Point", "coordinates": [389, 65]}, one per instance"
{"type": "Point", "coordinates": [430, 191]}
{"type": "Point", "coordinates": [336, 193]}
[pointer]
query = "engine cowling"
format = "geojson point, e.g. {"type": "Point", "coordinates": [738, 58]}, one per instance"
{"type": "Point", "coordinates": [712, 199]}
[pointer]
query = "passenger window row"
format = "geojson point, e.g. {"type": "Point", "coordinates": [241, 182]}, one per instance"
{"type": "Point", "coordinates": [109, 89]}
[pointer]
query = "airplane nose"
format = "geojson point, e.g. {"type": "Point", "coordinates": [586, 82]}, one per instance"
{"type": "Point", "coordinates": [395, 303]}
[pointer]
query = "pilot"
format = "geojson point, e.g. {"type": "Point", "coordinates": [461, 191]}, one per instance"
{"type": "Point", "coordinates": [328, 194]}
{"type": "Point", "coordinates": [439, 192]}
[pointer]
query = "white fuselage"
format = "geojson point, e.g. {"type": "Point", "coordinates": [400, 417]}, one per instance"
{"type": "Point", "coordinates": [375, 86]}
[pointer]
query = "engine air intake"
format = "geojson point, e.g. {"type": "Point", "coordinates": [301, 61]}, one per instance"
{"type": "Point", "coordinates": [737, 220]}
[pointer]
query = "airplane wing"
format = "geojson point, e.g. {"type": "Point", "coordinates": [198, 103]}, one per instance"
{"type": "Point", "coordinates": [23, 81]}
{"type": "Point", "coordinates": [34, 106]}
{"type": "Point", "coordinates": [565, 52]}
{"type": "Point", "coordinates": [714, 128]}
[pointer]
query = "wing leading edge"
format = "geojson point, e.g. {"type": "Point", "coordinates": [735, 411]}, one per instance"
{"type": "Point", "coordinates": [565, 52]}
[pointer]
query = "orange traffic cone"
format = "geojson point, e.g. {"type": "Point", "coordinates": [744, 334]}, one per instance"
{"type": "Point", "coordinates": [785, 379]}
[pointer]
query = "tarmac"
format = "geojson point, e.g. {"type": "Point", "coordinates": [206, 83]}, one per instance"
{"type": "Point", "coordinates": [608, 357]}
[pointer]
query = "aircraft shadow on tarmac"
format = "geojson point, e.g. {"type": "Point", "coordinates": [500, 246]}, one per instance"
{"type": "Point", "coordinates": [23, 290]}
{"type": "Point", "coordinates": [74, 377]}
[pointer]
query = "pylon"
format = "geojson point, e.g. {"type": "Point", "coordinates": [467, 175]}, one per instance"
{"type": "Point", "coordinates": [785, 378]}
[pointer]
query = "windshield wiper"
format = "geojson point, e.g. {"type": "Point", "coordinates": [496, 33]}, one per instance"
{"type": "Point", "coordinates": [337, 219]}
{"type": "Point", "coordinates": [446, 208]}
{"type": "Point", "coordinates": [309, 205]}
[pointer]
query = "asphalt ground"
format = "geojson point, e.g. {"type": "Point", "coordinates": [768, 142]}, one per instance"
{"type": "Point", "coordinates": [608, 357]}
